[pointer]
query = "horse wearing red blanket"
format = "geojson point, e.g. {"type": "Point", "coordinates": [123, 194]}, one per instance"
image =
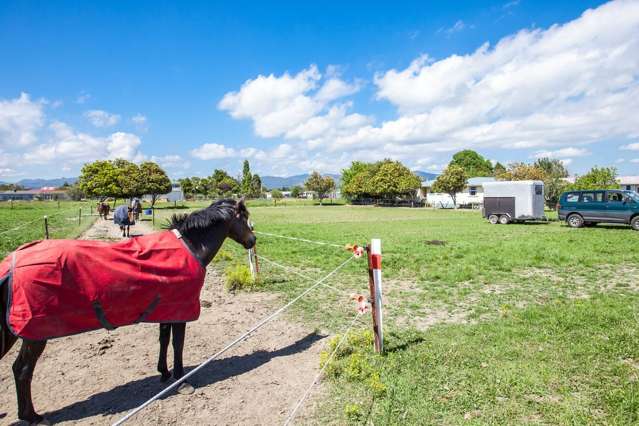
{"type": "Point", "coordinates": [56, 288]}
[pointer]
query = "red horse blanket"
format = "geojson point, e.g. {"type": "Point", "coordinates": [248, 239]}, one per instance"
{"type": "Point", "coordinates": [63, 287]}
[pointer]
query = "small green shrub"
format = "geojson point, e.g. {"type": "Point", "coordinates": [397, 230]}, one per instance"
{"type": "Point", "coordinates": [354, 413]}
{"type": "Point", "coordinates": [223, 256]}
{"type": "Point", "coordinates": [238, 277]}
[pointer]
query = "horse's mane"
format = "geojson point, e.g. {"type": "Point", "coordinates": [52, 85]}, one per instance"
{"type": "Point", "coordinates": [219, 211]}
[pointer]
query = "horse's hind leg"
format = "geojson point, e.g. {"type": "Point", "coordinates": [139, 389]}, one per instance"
{"type": "Point", "coordinates": [165, 337]}
{"type": "Point", "coordinates": [23, 369]}
{"type": "Point", "coordinates": [7, 339]}
{"type": "Point", "coordinates": [179, 331]}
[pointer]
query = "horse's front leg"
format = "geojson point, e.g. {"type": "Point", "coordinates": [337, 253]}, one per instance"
{"type": "Point", "coordinates": [23, 369]}
{"type": "Point", "coordinates": [165, 336]}
{"type": "Point", "coordinates": [179, 331]}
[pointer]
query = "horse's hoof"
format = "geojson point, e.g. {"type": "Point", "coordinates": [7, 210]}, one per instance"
{"type": "Point", "coordinates": [185, 389]}
{"type": "Point", "coordinates": [164, 377]}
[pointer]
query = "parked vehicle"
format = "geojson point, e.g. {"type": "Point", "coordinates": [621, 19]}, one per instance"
{"type": "Point", "coordinates": [513, 201]}
{"type": "Point", "coordinates": [585, 208]}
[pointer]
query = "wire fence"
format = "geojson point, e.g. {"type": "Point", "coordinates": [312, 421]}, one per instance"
{"type": "Point", "coordinates": [238, 340]}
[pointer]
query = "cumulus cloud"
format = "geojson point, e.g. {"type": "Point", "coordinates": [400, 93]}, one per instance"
{"type": "Point", "coordinates": [631, 146]}
{"type": "Point", "coordinates": [212, 151]}
{"type": "Point", "coordinates": [71, 147]}
{"type": "Point", "coordinates": [563, 153]}
{"type": "Point", "coordinates": [278, 105]}
{"type": "Point", "coordinates": [537, 88]}
{"type": "Point", "coordinates": [20, 120]}
{"type": "Point", "coordinates": [101, 118]}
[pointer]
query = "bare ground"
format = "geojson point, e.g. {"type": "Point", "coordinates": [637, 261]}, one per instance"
{"type": "Point", "coordinates": [97, 377]}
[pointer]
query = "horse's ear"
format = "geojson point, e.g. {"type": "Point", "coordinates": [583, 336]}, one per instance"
{"type": "Point", "coordinates": [240, 207]}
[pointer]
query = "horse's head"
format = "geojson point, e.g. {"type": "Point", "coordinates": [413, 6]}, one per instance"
{"type": "Point", "coordinates": [240, 230]}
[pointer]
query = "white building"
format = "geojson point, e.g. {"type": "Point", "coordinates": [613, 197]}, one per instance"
{"type": "Point", "coordinates": [472, 195]}
{"type": "Point", "coordinates": [629, 183]}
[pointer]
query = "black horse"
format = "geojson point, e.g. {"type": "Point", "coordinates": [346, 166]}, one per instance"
{"type": "Point", "coordinates": [203, 231]}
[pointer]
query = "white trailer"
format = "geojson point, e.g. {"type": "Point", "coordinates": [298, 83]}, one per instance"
{"type": "Point", "coordinates": [513, 201]}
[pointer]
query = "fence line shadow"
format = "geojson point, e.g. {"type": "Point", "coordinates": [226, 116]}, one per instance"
{"type": "Point", "coordinates": [130, 395]}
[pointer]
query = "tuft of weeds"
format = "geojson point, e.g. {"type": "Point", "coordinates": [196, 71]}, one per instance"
{"type": "Point", "coordinates": [238, 277]}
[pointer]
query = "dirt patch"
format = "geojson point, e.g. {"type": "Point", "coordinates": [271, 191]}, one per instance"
{"type": "Point", "coordinates": [96, 377]}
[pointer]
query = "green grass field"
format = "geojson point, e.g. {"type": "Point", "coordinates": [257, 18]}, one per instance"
{"type": "Point", "coordinates": [517, 324]}
{"type": "Point", "coordinates": [28, 218]}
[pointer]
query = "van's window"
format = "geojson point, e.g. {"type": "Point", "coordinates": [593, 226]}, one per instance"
{"type": "Point", "coordinates": [572, 197]}
{"type": "Point", "coordinates": [615, 197]}
{"type": "Point", "coordinates": [539, 190]}
{"type": "Point", "coordinates": [592, 197]}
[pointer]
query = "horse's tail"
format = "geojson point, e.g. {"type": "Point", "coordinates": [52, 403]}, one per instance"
{"type": "Point", "coordinates": [7, 339]}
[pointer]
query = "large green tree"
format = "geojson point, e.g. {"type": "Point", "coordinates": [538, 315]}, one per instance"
{"type": "Point", "coordinates": [473, 163]}
{"type": "Point", "coordinates": [322, 185]}
{"type": "Point", "coordinates": [451, 181]}
{"type": "Point", "coordinates": [349, 174]}
{"type": "Point", "coordinates": [155, 181]}
{"type": "Point", "coordinates": [555, 174]}
{"type": "Point", "coordinates": [256, 186]}
{"type": "Point", "coordinates": [100, 179]}
{"type": "Point", "coordinates": [597, 178]}
{"type": "Point", "coordinates": [393, 179]}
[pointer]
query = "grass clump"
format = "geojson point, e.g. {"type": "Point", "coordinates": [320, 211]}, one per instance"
{"type": "Point", "coordinates": [238, 277]}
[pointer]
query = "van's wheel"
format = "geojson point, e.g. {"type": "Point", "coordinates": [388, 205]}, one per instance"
{"type": "Point", "coordinates": [493, 219]}
{"type": "Point", "coordinates": [504, 219]}
{"type": "Point", "coordinates": [635, 223]}
{"type": "Point", "coordinates": [575, 221]}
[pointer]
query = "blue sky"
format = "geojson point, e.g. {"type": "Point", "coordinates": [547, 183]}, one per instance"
{"type": "Point", "coordinates": [296, 86]}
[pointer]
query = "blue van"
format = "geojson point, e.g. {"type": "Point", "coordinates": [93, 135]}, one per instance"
{"type": "Point", "coordinates": [585, 208]}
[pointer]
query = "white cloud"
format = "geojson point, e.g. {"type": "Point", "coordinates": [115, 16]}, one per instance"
{"type": "Point", "coordinates": [101, 118]}
{"type": "Point", "coordinates": [635, 160]}
{"type": "Point", "coordinates": [572, 83]}
{"type": "Point", "coordinates": [278, 105]}
{"type": "Point", "coordinates": [20, 121]}
{"type": "Point", "coordinates": [563, 153]}
{"type": "Point", "coordinates": [71, 147]}
{"type": "Point", "coordinates": [455, 28]}
{"type": "Point", "coordinates": [631, 146]}
{"type": "Point", "coordinates": [140, 121]}
{"type": "Point", "coordinates": [83, 97]}
{"type": "Point", "coordinates": [212, 151]}
{"type": "Point", "coordinates": [171, 161]}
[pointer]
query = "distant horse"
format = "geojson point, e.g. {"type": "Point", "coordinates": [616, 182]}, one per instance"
{"type": "Point", "coordinates": [159, 283]}
{"type": "Point", "coordinates": [136, 207]}
{"type": "Point", "coordinates": [103, 210]}
{"type": "Point", "coordinates": [124, 217]}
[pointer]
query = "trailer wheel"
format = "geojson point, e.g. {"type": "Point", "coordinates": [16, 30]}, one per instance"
{"type": "Point", "coordinates": [493, 219]}
{"type": "Point", "coordinates": [575, 221]}
{"type": "Point", "coordinates": [504, 219]}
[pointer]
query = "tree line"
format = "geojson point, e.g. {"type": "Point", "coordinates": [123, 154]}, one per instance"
{"type": "Point", "coordinates": [222, 185]}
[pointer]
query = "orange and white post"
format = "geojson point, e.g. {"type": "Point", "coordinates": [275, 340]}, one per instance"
{"type": "Point", "coordinates": [375, 287]}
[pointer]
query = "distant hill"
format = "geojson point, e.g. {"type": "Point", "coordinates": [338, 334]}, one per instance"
{"type": "Point", "coordinates": [39, 183]}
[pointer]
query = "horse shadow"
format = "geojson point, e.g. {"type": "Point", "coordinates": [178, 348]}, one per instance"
{"type": "Point", "coordinates": [130, 395]}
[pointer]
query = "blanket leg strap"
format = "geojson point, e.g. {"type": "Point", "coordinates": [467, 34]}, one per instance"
{"type": "Point", "coordinates": [149, 309]}
{"type": "Point", "coordinates": [99, 313]}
